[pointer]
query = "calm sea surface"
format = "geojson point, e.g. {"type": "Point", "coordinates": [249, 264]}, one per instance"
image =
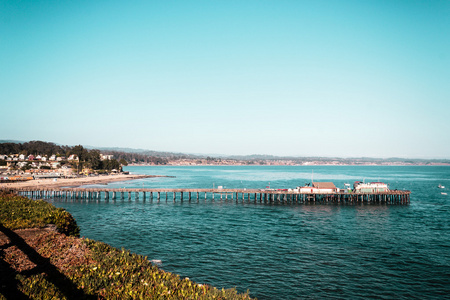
{"type": "Point", "coordinates": [281, 251]}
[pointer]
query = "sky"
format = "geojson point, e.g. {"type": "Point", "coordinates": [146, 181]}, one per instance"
{"type": "Point", "coordinates": [289, 78]}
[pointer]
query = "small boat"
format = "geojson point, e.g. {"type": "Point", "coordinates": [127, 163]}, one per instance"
{"type": "Point", "coordinates": [443, 193]}
{"type": "Point", "coordinates": [441, 186]}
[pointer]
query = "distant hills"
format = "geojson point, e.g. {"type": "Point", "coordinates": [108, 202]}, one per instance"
{"type": "Point", "coordinates": [139, 151]}
{"type": "Point", "coordinates": [140, 155]}
{"type": "Point", "coordinates": [12, 141]}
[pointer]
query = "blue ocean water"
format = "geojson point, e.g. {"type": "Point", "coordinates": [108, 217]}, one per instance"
{"type": "Point", "coordinates": [280, 251]}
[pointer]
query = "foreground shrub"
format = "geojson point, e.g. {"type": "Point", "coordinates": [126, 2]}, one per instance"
{"type": "Point", "coordinates": [38, 287]}
{"type": "Point", "coordinates": [17, 212]}
{"type": "Point", "coordinates": [119, 274]}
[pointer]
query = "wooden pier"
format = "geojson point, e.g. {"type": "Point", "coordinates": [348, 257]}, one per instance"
{"type": "Point", "coordinates": [238, 195]}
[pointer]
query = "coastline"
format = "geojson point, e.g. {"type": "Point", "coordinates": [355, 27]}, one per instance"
{"type": "Point", "coordinates": [73, 182]}
{"type": "Point", "coordinates": [189, 164]}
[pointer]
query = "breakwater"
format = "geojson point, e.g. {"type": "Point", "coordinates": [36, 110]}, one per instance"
{"type": "Point", "coordinates": [238, 195]}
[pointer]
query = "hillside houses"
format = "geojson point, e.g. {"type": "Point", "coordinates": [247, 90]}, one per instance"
{"type": "Point", "coordinates": [31, 157]}
{"type": "Point", "coordinates": [31, 163]}
{"type": "Point", "coordinates": [41, 163]}
{"type": "Point", "coordinates": [41, 157]}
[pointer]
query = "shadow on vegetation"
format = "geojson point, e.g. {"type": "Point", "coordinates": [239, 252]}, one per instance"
{"type": "Point", "coordinates": [9, 284]}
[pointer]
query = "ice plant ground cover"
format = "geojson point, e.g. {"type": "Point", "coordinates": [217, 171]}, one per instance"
{"type": "Point", "coordinates": [19, 212]}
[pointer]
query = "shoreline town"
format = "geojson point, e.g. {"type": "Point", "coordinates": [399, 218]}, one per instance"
{"type": "Point", "coordinates": [42, 164]}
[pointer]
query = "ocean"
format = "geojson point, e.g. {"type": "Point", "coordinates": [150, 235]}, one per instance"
{"type": "Point", "coordinates": [286, 251]}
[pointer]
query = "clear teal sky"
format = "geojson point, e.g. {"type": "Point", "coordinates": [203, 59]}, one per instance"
{"type": "Point", "coordinates": [306, 78]}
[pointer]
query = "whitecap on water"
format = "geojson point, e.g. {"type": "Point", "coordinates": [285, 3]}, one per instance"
{"type": "Point", "coordinates": [157, 262]}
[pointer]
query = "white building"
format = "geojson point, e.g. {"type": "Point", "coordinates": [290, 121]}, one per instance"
{"type": "Point", "coordinates": [73, 157]}
{"type": "Point", "coordinates": [307, 190]}
{"type": "Point", "coordinates": [371, 187]}
{"type": "Point", "coordinates": [105, 157]}
{"type": "Point", "coordinates": [22, 164]}
{"type": "Point", "coordinates": [44, 165]}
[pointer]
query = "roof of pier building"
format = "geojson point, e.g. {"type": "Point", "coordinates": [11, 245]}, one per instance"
{"type": "Point", "coordinates": [324, 185]}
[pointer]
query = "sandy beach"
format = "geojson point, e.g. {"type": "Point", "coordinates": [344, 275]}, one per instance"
{"type": "Point", "coordinates": [60, 182]}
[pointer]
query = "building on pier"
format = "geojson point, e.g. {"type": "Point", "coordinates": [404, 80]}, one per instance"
{"type": "Point", "coordinates": [371, 187]}
{"type": "Point", "coordinates": [325, 187]}
{"type": "Point", "coordinates": [318, 188]}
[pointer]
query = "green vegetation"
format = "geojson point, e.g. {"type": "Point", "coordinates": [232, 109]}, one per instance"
{"type": "Point", "coordinates": [33, 147]}
{"type": "Point", "coordinates": [119, 274]}
{"type": "Point", "coordinates": [87, 269]}
{"type": "Point", "coordinates": [18, 212]}
{"type": "Point", "coordinates": [91, 159]}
